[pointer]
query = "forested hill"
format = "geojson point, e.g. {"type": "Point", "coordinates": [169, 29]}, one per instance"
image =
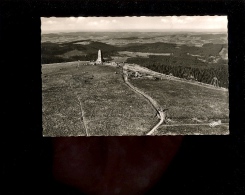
{"type": "Point", "coordinates": [64, 52]}
{"type": "Point", "coordinates": [180, 68]}
{"type": "Point", "coordinates": [203, 63]}
{"type": "Point", "coordinates": [206, 50]}
{"type": "Point", "coordinates": [52, 52]}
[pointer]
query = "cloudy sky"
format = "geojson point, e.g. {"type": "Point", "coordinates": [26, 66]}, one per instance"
{"type": "Point", "coordinates": [169, 23]}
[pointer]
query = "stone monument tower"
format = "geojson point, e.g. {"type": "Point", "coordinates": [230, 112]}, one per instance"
{"type": "Point", "coordinates": [100, 59]}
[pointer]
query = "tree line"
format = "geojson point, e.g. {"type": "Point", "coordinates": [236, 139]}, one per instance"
{"type": "Point", "coordinates": [203, 73]}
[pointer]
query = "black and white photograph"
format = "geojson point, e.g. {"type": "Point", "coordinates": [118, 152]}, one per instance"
{"type": "Point", "coordinates": [134, 76]}
{"type": "Point", "coordinates": [123, 97]}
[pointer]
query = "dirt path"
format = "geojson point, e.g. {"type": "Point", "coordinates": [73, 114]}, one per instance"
{"type": "Point", "coordinates": [161, 113]}
{"type": "Point", "coordinates": [82, 118]}
{"type": "Point", "coordinates": [157, 107]}
{"type": "Point", "coordinates": [205, 124]}
{"type": "Point", "coordinates": [162, 118]}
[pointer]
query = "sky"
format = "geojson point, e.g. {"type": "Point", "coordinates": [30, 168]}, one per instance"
{"type": "Point", "coordinates": [143, 23]}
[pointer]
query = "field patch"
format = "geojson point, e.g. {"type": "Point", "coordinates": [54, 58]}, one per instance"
{"type": "Point", "coordinates": [72, 53]}
{"type": "Point", "coordinates": [224, 53]}
{"type": "Point", "coordinates": [141, 54]}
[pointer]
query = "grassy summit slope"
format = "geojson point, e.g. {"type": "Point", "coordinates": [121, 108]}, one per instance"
{"type": "Point", "coordinates": [109, 106]}
{"type": "Point", "coordinates": [186, 103]}
{"type": "Point", "coordinates": [61, 112]}
{"type": "Point", "coordinates": [97, 99]}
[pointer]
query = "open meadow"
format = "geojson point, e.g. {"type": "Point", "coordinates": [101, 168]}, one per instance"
{"type": "Point", "coordinates": [188, 104]}
{"type": "Point", "coordinates": [92, 100]}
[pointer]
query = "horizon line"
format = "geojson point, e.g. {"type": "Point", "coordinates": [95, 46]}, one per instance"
{"type": "Point", "coordinates": [135, 30]}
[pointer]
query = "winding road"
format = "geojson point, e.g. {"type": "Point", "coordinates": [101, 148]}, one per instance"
{"type": "Point", "coordinates": [161, 113]}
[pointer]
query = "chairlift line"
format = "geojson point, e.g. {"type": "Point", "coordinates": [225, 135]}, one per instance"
{"type": "Point", "coordinates": [215, 82]}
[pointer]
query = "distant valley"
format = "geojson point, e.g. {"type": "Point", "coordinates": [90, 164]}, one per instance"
{"type": "Point", "coordinates": [200, 55]}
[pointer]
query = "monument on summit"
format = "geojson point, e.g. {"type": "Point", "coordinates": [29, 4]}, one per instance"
{"type": "Point", "coordinates": [100, 59]}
